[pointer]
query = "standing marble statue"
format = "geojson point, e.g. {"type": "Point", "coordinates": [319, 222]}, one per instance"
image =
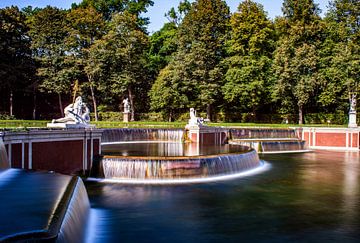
{"type": "Point", "coordinates": [126, 113]}
{"type": "Point", "coordinates": [352, 112]}
{"type": "Point", "coordinates": [76, 113]}
{"type": "Point", "coordinates": [126, 105]}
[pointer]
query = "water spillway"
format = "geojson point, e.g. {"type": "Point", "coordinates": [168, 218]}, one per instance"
{"type": "Point", "coordinates": [133, 134]}
{"type": "Point", "coordinates": [156, 160]}
{"type": "Point", "coordinates": [40, 206]}
{"type": "Point", "coordinates": [258, 133]}
{"type": "Point", "coordinates": [266, 140]}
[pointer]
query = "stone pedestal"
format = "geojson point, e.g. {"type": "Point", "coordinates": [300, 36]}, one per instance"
{"type": "Point", "coordinates": [69, 125]}
{"type": "Point", "coordinates": [126, 116]}
{"type": "Point", "coordinates": [352, 119]}
{"type": "Point", "coordinates": [206, 135]}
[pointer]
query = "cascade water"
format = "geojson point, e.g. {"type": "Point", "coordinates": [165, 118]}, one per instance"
{"type": "Point", "coordinates": [244, 133]}
{"type": "Point", "coordinates": [148, 168]}
{"type": "Point", "coordinates": [4, 163]}
{"type": "Point", "coordinates": [283, 146]}
{"type": "Point", "coordinates": [74, 223]}
{"type": "Point", "coordinates": [130, 134]}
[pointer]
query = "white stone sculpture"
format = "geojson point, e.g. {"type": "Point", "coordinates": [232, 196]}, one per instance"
{"type": "Point", "coordinates": [126, 105]}
{"type": "Point", "coordinates": [194, 121]}
{"type": "Point", "coordinates": [352, 112]}
{"type": "Point", "coordinates": [76, 114]}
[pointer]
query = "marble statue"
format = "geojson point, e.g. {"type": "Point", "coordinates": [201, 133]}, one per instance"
{"type": "Point", "coordinates": [126, 105]}
{"type": "Point", "coordinates": [353, 103]}
{"type": "Point", "coordinates": [194, 121]}
{"type": "Point", "coordinates": [352, 113]}
{"type": "Point", "coordinates": [76, 113]}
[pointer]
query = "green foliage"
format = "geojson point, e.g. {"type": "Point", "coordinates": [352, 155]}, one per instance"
{"type": "Point", "coordinates": [109, 7]}
{"type": "Point", "coordinates": [341, 55]}
{"type": "Point", "coordinates": [248, 65]}
{"type": "Point", "coordinates": [296, 59]}
{"type": "Point", "coordinates": [15, 54]}
{"type": "Point", "coordinates": [176, 17]}
{"type": "Point", "coordinates": [163, 44]}
{"type": "Point", "coordinates": [200, 50]}
{"type": "Point", "coordinates": [48, 30]}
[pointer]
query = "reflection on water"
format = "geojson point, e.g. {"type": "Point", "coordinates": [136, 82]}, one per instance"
{"type": "Point", "coordinates": [308, 197]}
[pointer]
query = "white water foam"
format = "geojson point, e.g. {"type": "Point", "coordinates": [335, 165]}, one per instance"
{"type": "Point", "coordinates": [262, 168]}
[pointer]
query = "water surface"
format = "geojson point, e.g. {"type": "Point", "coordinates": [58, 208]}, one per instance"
{"type": "Point", "coordinates": [312, 197]}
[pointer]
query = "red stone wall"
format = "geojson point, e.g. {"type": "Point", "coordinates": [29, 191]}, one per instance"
{"type": "Point", "coordinates": [16, 155]}
{"type": "Point", "coordinates": [96, 147]}
{"type": "Point", "coordinates": [61, 156]}
{"type": "Point", "coordinates": [330, 139]}
{"type": "Point", "coordinates": [356, 140]}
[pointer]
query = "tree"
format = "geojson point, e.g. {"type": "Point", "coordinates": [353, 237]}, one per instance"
{"type": "Point", "coordinates": [124, 48]}
{"type": "Point", "coordinates": [163, 44]}
{"type": "Point", "coordinates": [176, 17]}
{"type": "Point", "coordinates": [48, 31]}
{"type": "Point", "coordinates": [342, 61]}
{"type": "Point", "coordinates": [167, 94]}
{"type": "Point", "coordinates": [109, 7]}
{"type": "Point", "coordinates": [296, 60]}
{"type": "Point", "coordinates": [86, 26]}
{"type": "Point", "coordinates": [201, 38]}
{"type": "Point", "coordinates": [15, 56]}
{"type": "Point", "coordinates": [250, 48]}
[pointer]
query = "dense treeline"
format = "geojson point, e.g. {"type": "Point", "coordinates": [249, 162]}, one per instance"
{"type": "Point", "coordinates": [237, 65]}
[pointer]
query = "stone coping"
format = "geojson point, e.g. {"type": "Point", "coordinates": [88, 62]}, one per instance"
{"type": "Point", "coordinates": [33, 204]}
{"type": "Point", "coordinates": [265, 140]}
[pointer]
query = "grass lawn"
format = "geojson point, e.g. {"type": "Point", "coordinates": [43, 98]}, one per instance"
{"type": "Point", "coordinates": [24, 124]}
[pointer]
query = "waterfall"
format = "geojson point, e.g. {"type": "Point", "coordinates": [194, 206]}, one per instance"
{"type": "Point", "coordinates": [230, 164]}
{"type": "Point", "coordinates": [130, 134]}
{"type": "Point", "coordinates": [74, 223]}
{"type": "Point", "coordinates": [283, 146]}
{"type": "Point", "coordinates": [4, 162]}
{"type": "Point", "coordinates": [149, 168]}
{"type": "Point", "coordinates": [245, 133]}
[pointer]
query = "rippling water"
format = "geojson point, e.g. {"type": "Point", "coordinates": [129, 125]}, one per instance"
{"type": "Point", "coordinates": [310, 197]}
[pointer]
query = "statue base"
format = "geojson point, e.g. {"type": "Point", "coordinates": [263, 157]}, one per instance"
{"type": "Point", "coordinates": [352, 119]}
{"type": "Point", "coordinates": [69, 125]}
{"type": "Point", "coordinates": [205, 135]}
{"type": "Point", "coordinates": [126, 116]}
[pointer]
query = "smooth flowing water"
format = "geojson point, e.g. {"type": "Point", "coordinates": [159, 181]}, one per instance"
{"type": "Point", "coordinates": [312, 197]}
{"type": "Point", "coordinates": [241, 133]}
{"type": "Point", "coordinates": [141, 134]}
{"type": "Point", "coordinates": [73, 227]}
{"type": "Point", "coordinates": [171, 160]}
{"type": "Point", "coordinates": [283, 146]}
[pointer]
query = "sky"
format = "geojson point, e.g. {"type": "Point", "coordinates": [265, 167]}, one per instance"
{"type": "Point", "coordinates": [156, 12]}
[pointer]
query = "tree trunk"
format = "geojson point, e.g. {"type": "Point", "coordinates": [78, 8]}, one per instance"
{"type": "Point", "coordinates": [61, 106]}
{"type": "Point", "coordinates": [301, 115]}
{"type": "Point", "coordinates": [131, 98]}
{"type": "Point", "coordinates": [170, 116]}
{"type": "Point", "coordinates": [94, 102]}
{"type": "Point", "coordinates": [93, 97]}
{"type": "Point", "coordinates": [11, 103]}
{"type": "Point", "coordinates": [34, 105]}
{"type": "Point", "coordinates": [208, 112]}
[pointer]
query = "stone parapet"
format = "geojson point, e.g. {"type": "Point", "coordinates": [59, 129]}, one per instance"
{"type": "Point", "coordinates": [65, 151]}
